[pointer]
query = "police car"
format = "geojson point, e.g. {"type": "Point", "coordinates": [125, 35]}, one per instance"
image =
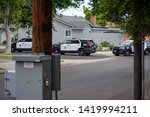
{"type": "Point", "coordinates": [81, 46]}
{"type": "Point", "coordinates": [24, 44]}
{"type": "Point", "coordinates": [127, 48]}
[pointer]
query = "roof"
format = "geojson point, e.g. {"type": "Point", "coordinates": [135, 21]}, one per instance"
{"type": "Point", "coordinates": [76, 22]}
{"type": "Point", "coordinates": [73, 21]}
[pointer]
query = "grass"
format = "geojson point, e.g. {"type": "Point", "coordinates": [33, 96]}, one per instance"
{"type": "Point", "coordinates": [6, 56]}
{"type": "Point", "coordinates": [2, 70]}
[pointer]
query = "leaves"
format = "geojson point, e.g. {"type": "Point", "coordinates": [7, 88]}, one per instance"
{"type": "Point", "coordinates": [132, 15]}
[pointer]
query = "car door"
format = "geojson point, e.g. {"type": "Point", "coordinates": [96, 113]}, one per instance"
{"type": "Point", "coordinates": [21, 44]}
{"type": "Point", "coordinates": [28, 44]}
{"type": "Point", "coordinates": [75, 45]}
{"type": "Point", "coordinates": [65, 46]}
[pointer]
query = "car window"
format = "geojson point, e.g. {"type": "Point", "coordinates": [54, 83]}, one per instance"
{"type": "Point", "coordinates": [66, 42]}
{"type": "Point", "coordinates": [75, 42]}
{"type": "Point", "coordinates": [84, 41]}
{"type": "Point", "coordinates": [22, 40]}
{"type": "Point", "coordinates": [127, 42]}
{"type": "Point", "coordinates": [28, 40]}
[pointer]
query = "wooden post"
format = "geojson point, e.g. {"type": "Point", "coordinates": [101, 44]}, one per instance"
{"type": "Point", "coordinates": [42, 26]}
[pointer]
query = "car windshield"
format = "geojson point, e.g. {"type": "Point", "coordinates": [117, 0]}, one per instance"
{"type": "Point", "coordinates": [127, 42]}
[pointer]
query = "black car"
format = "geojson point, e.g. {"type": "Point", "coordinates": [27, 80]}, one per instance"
{"type": "Point", "coordinates": [127, 48]}
{"type": "Point", "coordinates": [81, 46]}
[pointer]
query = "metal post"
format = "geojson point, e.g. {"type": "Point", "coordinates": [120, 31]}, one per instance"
{"type": "Point", "coordinates": [143, 70]}
{"type": "Point", "coordinates": [56, 74]}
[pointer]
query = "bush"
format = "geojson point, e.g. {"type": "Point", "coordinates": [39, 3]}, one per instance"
{"type": "Point", "coordinates": [104, 44]}
{"type": "Point", "coordinates": [98, 47]}
{"type": "Point", "coordinates": [111, 46]}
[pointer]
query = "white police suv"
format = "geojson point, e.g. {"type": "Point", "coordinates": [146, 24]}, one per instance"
{"type": "Point", "coordinates": [24, 44]}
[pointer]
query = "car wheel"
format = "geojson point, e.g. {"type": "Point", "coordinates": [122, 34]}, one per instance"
{"type": "Point", "coordinates": [56, 50]}
{"type": "Point", "coordinates": [127, 53]}
{"type": "Point", "coordinates": [81, 52]}
{"type": "Point", "coordinates": [13, 49]}
{"type": "Point", "coordinates": [146, 52]}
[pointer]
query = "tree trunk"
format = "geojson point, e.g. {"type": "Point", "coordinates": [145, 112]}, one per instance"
{"type": "Point", "coordinates": [42, 26]}
{"type": "Point", "coordinates": [7, 30]}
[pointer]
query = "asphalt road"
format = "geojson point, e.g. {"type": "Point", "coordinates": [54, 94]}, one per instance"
{"type": "Point", "coordinates": [102, 80]}
{"type": "Point", "coordinates": [99, 80]}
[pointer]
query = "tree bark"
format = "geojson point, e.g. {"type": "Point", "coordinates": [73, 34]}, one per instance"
{"type": "Point", "coordinates": [42, 26]}
{"type": "Point", "coordinates": [7, 30]}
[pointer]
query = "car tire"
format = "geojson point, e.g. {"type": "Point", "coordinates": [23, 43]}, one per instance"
{"type": "Point", "coordinates": [127, 53]}
{"type": "Point", "coordinates": [56, 51]}
{"type": "Point", "coordinates": [13, 49]}
{"type": "Point", "coordinates": [146, 52]}
{"type": "Point", "coordinates": [81, 52]}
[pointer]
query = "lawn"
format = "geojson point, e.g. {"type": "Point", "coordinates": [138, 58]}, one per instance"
{"type": "Point", "coordinates": [6, 56]}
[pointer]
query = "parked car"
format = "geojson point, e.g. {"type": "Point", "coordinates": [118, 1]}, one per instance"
{"type": "Point", "coordinates": [24, 44]}
{"type": "Point", "coordinates": [81, 46]}
{"type": "Point", "coordinates": [127, 48]}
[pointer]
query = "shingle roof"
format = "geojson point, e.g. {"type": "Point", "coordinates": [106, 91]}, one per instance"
{"type": "Point", "coordinates": [79, 23]}
{"type": "Point", "coordinates": [74, 21]}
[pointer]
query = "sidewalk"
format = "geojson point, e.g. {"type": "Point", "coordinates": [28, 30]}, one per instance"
{"type": "Point", "coordinates": [10, 65]}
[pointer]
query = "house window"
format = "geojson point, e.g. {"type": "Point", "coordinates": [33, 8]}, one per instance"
{"type": "Point", "coordinates": [67, 33]}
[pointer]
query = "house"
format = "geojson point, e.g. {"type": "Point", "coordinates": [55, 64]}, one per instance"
{"type": "Point", "coordinates": [17, 33]}
{"type": "Point", "coordinates": [67, 27]}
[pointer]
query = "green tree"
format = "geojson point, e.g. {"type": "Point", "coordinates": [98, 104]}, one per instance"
{"type": "Point", "coordinates": [25, 19]}
{"type": "Point", "coordinates": [19, 13]}
{"type": "Point", "coordinates": [10, 11]}
{"type": "Point", "coordinates": [100, 20]}
{"type": "Point", "coordinates": [134, 17]}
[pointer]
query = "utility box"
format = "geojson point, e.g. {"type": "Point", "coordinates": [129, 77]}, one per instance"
{"type": "Point", "coordinates": [10, 84]}
{"type": "Point", "coordinates": [33, 77]}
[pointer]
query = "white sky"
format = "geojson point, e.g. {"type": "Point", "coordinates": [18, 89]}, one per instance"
{"type": "Point", "coordinates": [75, 11]}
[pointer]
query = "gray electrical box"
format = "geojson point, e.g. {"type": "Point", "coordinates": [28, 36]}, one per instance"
{"type": "Point", "coordinates": [33, 77]}
{"type": "Point", "coordinates": [10, 84]}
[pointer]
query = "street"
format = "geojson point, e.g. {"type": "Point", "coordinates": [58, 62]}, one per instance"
{"type": "Point", "coordinates": [97, 77]}
{"type": "Point", "coordinates": [102, 80]}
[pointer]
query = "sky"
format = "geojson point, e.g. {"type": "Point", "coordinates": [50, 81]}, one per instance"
{"type": "Point", "coordinates": [75, 11]}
